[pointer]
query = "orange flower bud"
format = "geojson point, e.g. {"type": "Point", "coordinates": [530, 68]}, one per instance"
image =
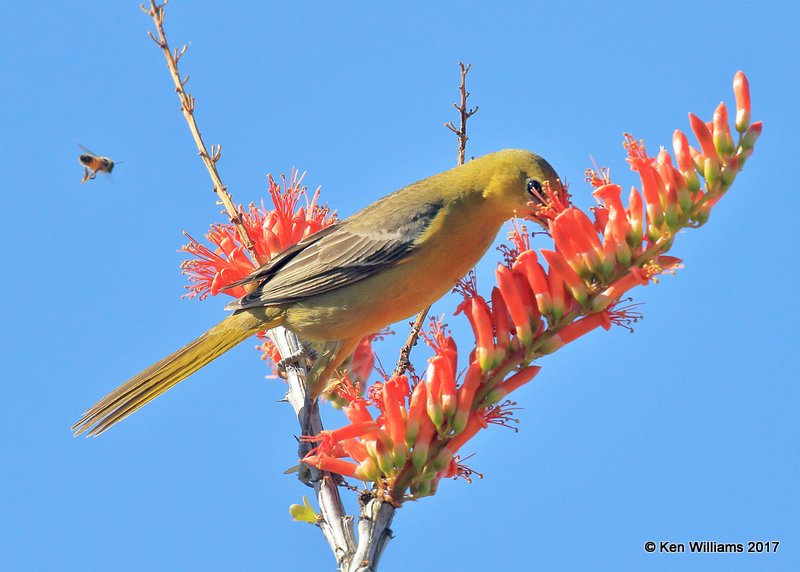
{"type": "Point", "coordinates": [741, 89]}
{"type": "Point", "coordinates": [466, 395]}
{"type": "Point", "coordinates": [502, 321]}
{"type": "Point", "coordinates": [416, 412]}
{"type": "Point", "coordinates": [751, 136]}
{"type": "Point", "coordinates": [723, 141]}
{"type": "Point", "coordinates": [480, 318]}
{"type": "Point", "coordinates": [703, 134]}
{"type": "Point", "coordinates": [434, 402]}
{"type": "Point", "coordinates": [419, 456]}
{"type": "Point", "coordinates": [680, 145]}
{"type": "Point", "coordinates": [394, 409]}
{"type": "Point", "coordinates": [635, 216]}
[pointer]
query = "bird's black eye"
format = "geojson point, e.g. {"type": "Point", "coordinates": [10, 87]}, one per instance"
{"type": "Point", "coordinates": [534, 187]}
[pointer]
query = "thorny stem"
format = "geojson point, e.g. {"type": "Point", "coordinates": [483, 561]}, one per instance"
{"type": "Point", "coordinates": [404, 363]}
{"type": "Point", "coordinates": [157, 12]}
{"type": "Point", "coordinates": [335, 524]}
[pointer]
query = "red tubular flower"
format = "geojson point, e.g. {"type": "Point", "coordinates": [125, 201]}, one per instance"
{"type": "Point", "coordinates": [675, 185]}
{"type": "Point", "coordinates": [574, 283]}
{"type": "Point", "coordinates": [652, 189]}
{"type": "Point", "coordinates": [328, 438]}
{"type": "Point", "coordinates": [394, 412]}
{"type": "Point", "coordinates": [704, 136]}
{"type": "Point", "coordinates": [587, 234]}
{"type": "Point", "coordinates": [559, 302]}
{"type": "Point", "coordinates": [698, 159]}
{"type": "Point", "coordinates": [434, 380]}
{"type": "Point", "coordinates": [417, 412]}
{"type": "Point", "coordinates": [383, 453]}
{"type": "Point", "coordinates": [680, 145]}
{"type": "Point", "coordinates": [600, 218]}
{"type": "Point", "coordinates": [576, 239]}
{"type": "Point", "coordinates": [513, 300]}
{"type": "Point", "coordinates": [516, 381]}
{"type": "Point", "coordinates": [634, 277]}
{"type": "Point", "coordinates": [686, 166]}
{"type": "Point", "coordinates": [334, 465]}
{"type": "Point", "coordinates": [610, 196]}
{"type": "Point", "coordinates": [528, 301]}
{"type": "Point", "coordinates": [741, 89]}
{"type": "Point", "coordinates": [427, 431]}
{"type": "Point", "coordinates": [750, 137]}
{"type": "Point", "coordinates": [439, 339]}
{"type": "Point", "coordinates": [635, 216]}
{"type": "Point", "coordinates": [501, 319]}
{"type": "Point", "coordinates": [723, 140]}
{"type": "Point", "coordinates": [466, 395]}
{"type": "Point", "coordinates": [363, 360]}
{"type": "Point", "coordinates": [575, 330]}
{"type": "Point", "coordinates": [355, 449]}
{"type": "Point", "coordinates": [617, 228]}
{"type": "Point", "coordinates": [480, 318]}
{"type": "Point", "coordinates": [527, 263]}
{"type": "Point", "coordinates": [447, 386]}
{"type": "Point", "coordinates": [356, 409]}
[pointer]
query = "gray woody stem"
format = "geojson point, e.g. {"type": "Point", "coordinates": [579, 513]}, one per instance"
{"type": "Point", "coordinates": [376, 515]}
{"type": "Point", "coordinates": [336, 525]}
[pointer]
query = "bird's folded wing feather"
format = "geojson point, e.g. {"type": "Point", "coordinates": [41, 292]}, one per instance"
{"type": "Point", "coordinates": [339, 255]}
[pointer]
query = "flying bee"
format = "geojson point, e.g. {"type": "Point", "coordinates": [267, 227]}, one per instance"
{"type": "Point", "coordinates": [93, 164]}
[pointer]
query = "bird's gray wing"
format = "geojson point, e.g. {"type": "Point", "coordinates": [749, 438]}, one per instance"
{"type": "Point", "coordinates": [349, 252]}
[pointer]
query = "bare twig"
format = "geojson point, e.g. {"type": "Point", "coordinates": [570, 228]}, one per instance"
{"type": "Point", "coordinates": [336, 525]}
{"type": "Point", "coordinates": [157, 13]}
{"type": "Point", "coordinates": [465, 113]}
{"type": "Point", "coordinates": [403, 362]}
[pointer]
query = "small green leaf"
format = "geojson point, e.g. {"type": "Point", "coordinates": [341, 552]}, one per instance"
{"type": "Point", "coordinates": [304, 512]}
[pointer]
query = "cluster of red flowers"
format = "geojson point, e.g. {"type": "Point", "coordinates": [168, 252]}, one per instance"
{"type": "Point", "coordinates": [537, 308]}
{"type": "Point", "coordinates": [271, 230]}
{"type": "Point", "coordinates": [292, 217]}
{"type": "Point", "coordinates": [421, 425]}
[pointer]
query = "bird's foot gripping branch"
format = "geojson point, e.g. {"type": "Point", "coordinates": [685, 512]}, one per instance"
{"type": "Point", "coordinates": [405, 432]}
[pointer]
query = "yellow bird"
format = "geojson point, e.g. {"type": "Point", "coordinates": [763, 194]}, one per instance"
{"type": "Point", "coordinates": [382, 265]}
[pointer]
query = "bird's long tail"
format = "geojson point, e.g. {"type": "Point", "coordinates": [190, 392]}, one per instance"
{"type": "Point", "coordinates": [162, 375]}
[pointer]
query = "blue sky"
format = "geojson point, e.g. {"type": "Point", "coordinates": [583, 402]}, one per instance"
{"type": "Point", "coordinates": [686, 430]}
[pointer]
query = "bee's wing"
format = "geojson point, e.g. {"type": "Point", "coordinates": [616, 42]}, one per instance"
{"type": "Point", "coordinates": [88, 150]}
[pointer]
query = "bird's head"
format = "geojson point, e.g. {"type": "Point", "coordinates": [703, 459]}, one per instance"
{"type": "Point", "coordinates": [522, 184]}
